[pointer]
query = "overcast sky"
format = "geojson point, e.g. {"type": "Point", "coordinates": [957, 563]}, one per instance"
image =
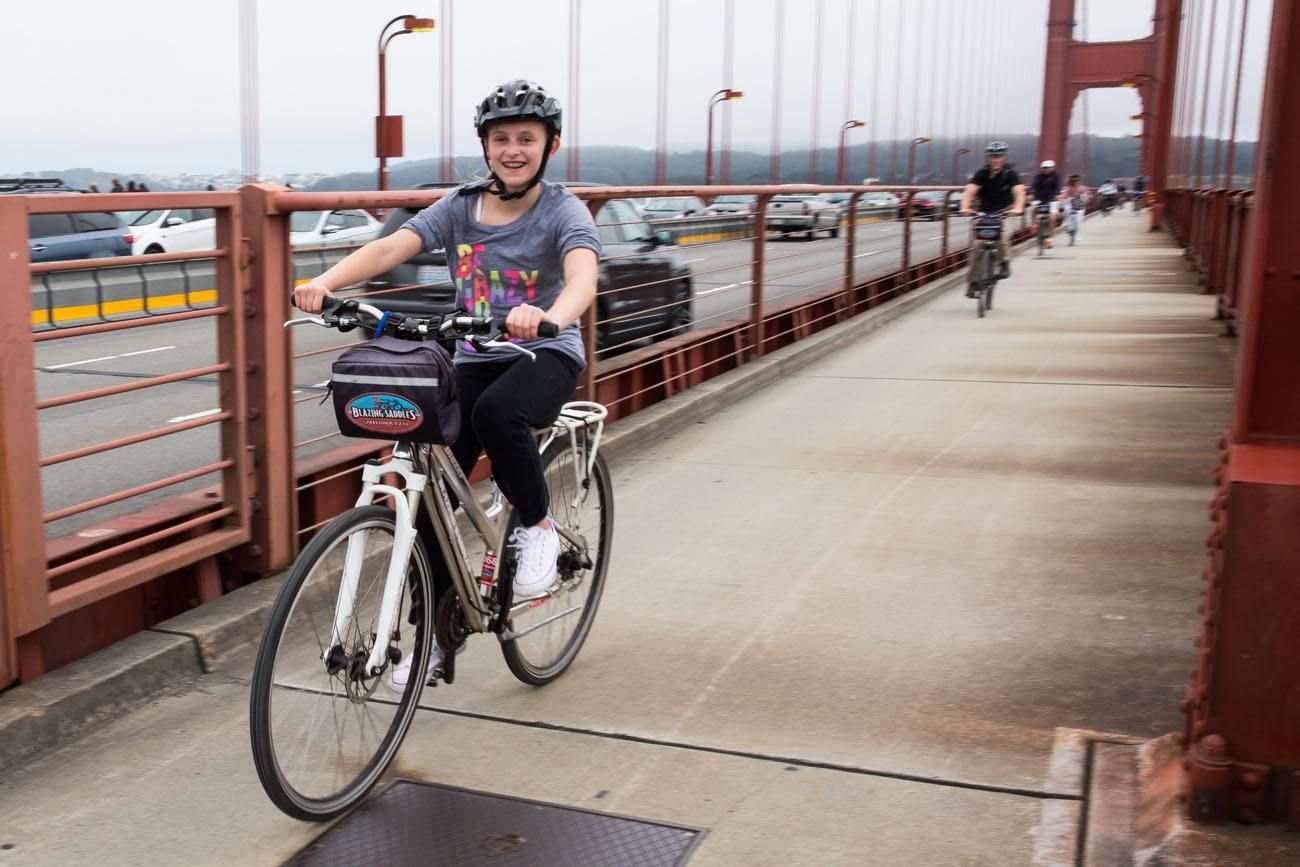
{"type": "Point", "coordinates": [153, 86]}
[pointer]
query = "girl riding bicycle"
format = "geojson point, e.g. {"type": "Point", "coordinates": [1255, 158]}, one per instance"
{"type": "Point", "coordinates": [523, 250]}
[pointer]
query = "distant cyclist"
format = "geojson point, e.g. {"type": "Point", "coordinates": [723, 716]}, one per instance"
{"type": "Point", "coordinates": [1109, 196]}
{"type": "Point", "coordinates": [1075, 197]}
{"type": "Point", "coordinates": [994, 187]}
{"type": "Point", "coordinates": [1139, 192]}
{"type": "Point", "coordinates": [1045, 188]}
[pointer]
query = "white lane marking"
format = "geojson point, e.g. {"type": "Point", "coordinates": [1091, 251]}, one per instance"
{"type": "Point", "coordinates": [181, 418]}
{"type": "Point", "coordinates": [700, 259]}
{"type": "Point", "coordinates": [146, 351]}
{"type": "Point", "coordinates": [935, 238]}
{"type": "Point", "coordinates": [108, 357]}
{"type": "Point", "coordinates": [320, 384]}
{"type": "Point", "coordinates": [84, 361]}
{"type": "Point", "coordinates": [723, 288]}
{"type": "Point", "coordinates": [872, 253]}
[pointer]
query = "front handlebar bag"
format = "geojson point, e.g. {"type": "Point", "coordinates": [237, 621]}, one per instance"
{"type": "Point", "coordinates": [392, 389]}
{"type": "Point", "coordinates": [988, 228]}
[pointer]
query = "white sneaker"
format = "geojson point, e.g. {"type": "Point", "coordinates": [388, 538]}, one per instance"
{"type": "Point", "coordinates": [538, 548]}
{"type": "Point", "coordinates": [400, 674]}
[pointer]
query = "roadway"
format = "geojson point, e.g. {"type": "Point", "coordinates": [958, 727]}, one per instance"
{"type": "Point", "coordinates": [722, 270]}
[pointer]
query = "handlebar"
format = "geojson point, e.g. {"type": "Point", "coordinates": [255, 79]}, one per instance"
{"type": "Point", "coordinates": [479, 331]}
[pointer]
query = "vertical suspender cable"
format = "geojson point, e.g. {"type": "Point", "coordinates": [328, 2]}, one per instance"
{"type": "Point", "coordinates": [1205, 92]}
{"type": "Point", "coordinates": [847, 114]}
{"type": "Point", "coordinates": [575, 86]}
{"type": "Point", "coordinates": [875, 95]}
{"type": "Point", "coordinates": [1221, 119]}
{"type": "Point", "coordinates": [777, 84]}
{"type": "Point", "coordinates": [661, 108]}
{"type": "Point", "coordinates": [447, 170]}
{"type": "Point", "coordinates": [1189, 93]}
{"type": "Point", "coordinates": [817, 92]}
{"type": "Point", "coordinates": [728, 76]}
{"type": "Point", "coordinates": [1083, 36]}
{"type": "Point", "coordinates": [1230, 170]}
{"type": "Point", "coordinates": [898, 85]}
{"type": "Point", "coordinates": [915, 129]}
{"type": "Point", "coordinates": [248, 90]}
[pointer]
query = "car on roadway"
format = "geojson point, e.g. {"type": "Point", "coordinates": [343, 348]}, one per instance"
{"type": "Point", "coordinates": [79, 235]}
{"type": "Point", "coordinates": [644, 283]}
{"type": "Point", "coordinates": [803, 213]}
{"type": "Point", "coordinates": [172, 230]}
{"type": "Point", "coordinates": [332, 228]}
{"type": "Point", "coordinates": [882, 201]}
{"type": "Point", "coordinates": [728, 205]}
{"type": "Point", "coordinates": [670, 207]}
{"type": "Point", "coordinates": [927, 205]}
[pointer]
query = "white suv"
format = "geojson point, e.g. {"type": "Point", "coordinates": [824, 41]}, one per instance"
{"type": "Point", "coordinates": [175, 230]}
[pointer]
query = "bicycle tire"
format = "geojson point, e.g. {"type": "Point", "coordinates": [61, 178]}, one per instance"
{"type": "Point", "coordinates": [519, 657]}
{"type": "Point", "coordinates": [286, 793]}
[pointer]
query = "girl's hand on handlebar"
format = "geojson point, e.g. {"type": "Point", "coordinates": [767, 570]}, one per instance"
{"type": "Point", "coordinates": [310, 296]}
{"type": "Point", "coordinates": [524, 320]}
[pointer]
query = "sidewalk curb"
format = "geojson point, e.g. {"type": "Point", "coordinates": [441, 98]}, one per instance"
{"type": "Point", "coordinates": [57, 707]}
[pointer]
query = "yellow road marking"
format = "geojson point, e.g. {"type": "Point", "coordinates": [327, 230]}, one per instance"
{"type": "Point", "coordinates": [128, 305]}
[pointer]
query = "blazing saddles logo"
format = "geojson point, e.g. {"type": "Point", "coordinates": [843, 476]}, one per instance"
{"type": "Point", "coordinates": [384, 413]}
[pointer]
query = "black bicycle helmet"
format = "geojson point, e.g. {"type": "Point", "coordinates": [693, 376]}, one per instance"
{"type": "Point", "coordinates": [997, 148]}
{"type": "Point", "coordinates": [515, 100]}
{"type": "Point", "coordinates": [518, 100]}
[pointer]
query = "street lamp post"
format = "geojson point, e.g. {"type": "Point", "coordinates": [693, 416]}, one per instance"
{"type": "Point", "coordinates": [907, 210]}
{"type": "Point", "coordinates": [388, 130]}
{"type": "Point", "coordinates": [721, 96]}
{"type": "Point", "coordinates": [848, 125]}
{"type": "Point", "coordinates": [956, 161]}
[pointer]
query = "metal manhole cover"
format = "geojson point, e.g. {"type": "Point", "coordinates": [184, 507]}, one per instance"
{"type": "Point", "coordinates": [442, 826]}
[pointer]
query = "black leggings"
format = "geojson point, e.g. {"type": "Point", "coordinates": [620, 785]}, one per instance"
{"type": "Point", "coordinates": [499, 403]}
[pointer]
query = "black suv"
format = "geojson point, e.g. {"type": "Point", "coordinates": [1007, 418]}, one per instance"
{"type": "Point", "coordinates": [644, 285]}
{"type": "Point", "coordinates": [83, 235]}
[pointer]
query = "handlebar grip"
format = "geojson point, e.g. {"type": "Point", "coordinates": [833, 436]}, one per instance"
{"type": "Point", "coordinates": [548, 329]}
{"type": "Point", "coordinates": [328, 303]}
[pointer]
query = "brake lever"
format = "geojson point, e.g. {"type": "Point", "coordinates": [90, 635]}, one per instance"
{"type": "Point", "coordinates": [305, 320]}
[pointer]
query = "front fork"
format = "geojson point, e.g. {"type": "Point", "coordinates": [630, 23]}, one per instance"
{"type": "Point", "coordinates": [405, 503]}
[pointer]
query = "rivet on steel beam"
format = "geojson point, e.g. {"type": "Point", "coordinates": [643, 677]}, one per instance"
{"type": "Point", "coordinates": [250, 367]}
{"type": "Point", "coordinates": [1250, 780]}
{"type": "Point", "coordinates": [254, 550]}
{"type": "Point", "coordinates": [254, 413]}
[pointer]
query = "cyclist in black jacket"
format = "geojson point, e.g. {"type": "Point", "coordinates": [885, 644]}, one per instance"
{"type": "Point", "coordinates": [994, 187]}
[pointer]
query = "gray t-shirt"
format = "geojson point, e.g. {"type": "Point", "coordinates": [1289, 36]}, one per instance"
{"type": "Point", "coordinates": [496, 268]}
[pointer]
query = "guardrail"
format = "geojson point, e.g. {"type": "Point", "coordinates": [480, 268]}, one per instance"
{"type": "Point", "coordinates": [1213, 224]}
{"type": "Point", "coordinates": [281, 473]}
{"type": "Point", "coordinates": [87, 290]}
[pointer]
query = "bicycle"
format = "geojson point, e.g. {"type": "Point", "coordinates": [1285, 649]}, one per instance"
{"type": "Point", "coordinates": [1043, 226]}
{"type": "Point", "coordinates": [326, 718]}
{"type": "Point", "coordinates": [1072, 218]}
{"type": "Point", "coordinates": [988, 234]}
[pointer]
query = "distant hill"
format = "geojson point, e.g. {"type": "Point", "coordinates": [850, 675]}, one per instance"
{"type": "Point", "coordinates": [623, 166]}
{"type": "Point", "coordinates": [628, 166]}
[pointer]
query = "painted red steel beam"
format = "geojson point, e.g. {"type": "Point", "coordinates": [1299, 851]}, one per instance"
{"type": "Point", "coordinates": [1243, 705]}
{"type": "Point", "coordinates": [1168, 29]}
{"type": "Point", "coordinates": [1074, 66]}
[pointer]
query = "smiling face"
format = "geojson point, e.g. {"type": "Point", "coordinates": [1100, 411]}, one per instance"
{"type": "Point", "coordinates": [515, 148]}
{"type": "Point", "coordinates": [997, 161]}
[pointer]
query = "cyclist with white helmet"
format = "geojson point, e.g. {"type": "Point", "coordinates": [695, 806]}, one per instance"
{"type": "Point", "coordinates": [1045, 189]}
{"type": "Point", "coordinates": [995, 187]}
{"type": "Point", "coordinates": [523, 250]}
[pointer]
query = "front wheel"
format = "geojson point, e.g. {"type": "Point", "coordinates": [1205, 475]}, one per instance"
{"type": "Point", "coordinates": [324, 728]}
{"type": "Point", "coordinates": [550, 632]}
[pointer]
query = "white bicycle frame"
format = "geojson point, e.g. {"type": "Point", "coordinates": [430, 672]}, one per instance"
{"type": "Point", "coordinates": [574, 416]}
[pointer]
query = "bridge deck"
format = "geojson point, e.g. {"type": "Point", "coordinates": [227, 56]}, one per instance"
{"type": "Point", "coordinates": [848, 618]}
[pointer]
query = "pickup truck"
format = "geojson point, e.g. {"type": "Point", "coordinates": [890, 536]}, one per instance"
{"type": "Point", "coordinates": [804, 213]}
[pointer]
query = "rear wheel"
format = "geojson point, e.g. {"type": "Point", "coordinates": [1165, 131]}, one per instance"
{"type": "Point", "coordinates": [679, 316]}
{"type": "Point", "coordinates": [552, 630]}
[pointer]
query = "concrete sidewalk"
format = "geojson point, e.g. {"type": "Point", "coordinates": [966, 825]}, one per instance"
{"type": "Point", "coordinates": [870, 615]}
